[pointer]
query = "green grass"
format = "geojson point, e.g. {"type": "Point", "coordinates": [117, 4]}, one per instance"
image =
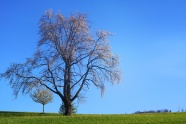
{"type": "Point", "coordinates": [50, 118]}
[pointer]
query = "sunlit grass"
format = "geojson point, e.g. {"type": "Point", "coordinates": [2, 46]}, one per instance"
{"type": "Point", "coordinates": [49, 118]}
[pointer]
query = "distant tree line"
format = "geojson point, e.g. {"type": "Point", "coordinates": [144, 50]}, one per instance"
{"type": "Point", "coordinates": [182, 110]}
{"type": "Point", "coordinates": [153, 111]}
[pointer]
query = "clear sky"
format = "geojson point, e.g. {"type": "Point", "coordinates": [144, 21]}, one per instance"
{"type": "Point", "coordinates": [149, 36]}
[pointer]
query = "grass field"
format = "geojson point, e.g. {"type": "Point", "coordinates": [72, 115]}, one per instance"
{"type": "Point", "coordinates": [49, 118]}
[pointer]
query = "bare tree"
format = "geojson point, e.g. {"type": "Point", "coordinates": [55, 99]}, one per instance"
{"type": "Point", "coordinates": [43, 96]}
{"type": "Point", "coordinates": [69, 58]}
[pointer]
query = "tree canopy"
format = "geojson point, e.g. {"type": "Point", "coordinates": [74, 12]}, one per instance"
{"type": "Point", "coordinates": [42, 96]}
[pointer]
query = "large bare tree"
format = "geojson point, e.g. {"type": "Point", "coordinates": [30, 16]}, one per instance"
{"type": "Point", "coordinates": [69, 58]}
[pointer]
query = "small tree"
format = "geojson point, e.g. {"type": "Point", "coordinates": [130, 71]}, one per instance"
{"type": "Point", "coordinates": [62, 109]}
{"type": "Point", "coordinates": [43, 96]}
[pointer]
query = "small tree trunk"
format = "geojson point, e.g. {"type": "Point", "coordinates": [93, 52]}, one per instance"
{"type": "Point", "coordinates": [43, 108]}
{"type": "Point", "coordinates": [68, 108]}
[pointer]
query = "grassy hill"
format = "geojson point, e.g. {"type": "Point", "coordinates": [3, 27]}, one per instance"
{"type": "Point", "coordinates": [52, 118]}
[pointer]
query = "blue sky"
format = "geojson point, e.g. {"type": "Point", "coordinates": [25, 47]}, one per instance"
{"type": "Point", "coordinates": [149, 36]}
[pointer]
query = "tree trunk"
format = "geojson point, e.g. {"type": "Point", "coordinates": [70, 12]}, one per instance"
{"type": "Point", "coordinates": [43, 109]}
{"type": "Point", "coordinates": [68, 108]}
{"type": "Point", "coordinates": [67, 91]}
